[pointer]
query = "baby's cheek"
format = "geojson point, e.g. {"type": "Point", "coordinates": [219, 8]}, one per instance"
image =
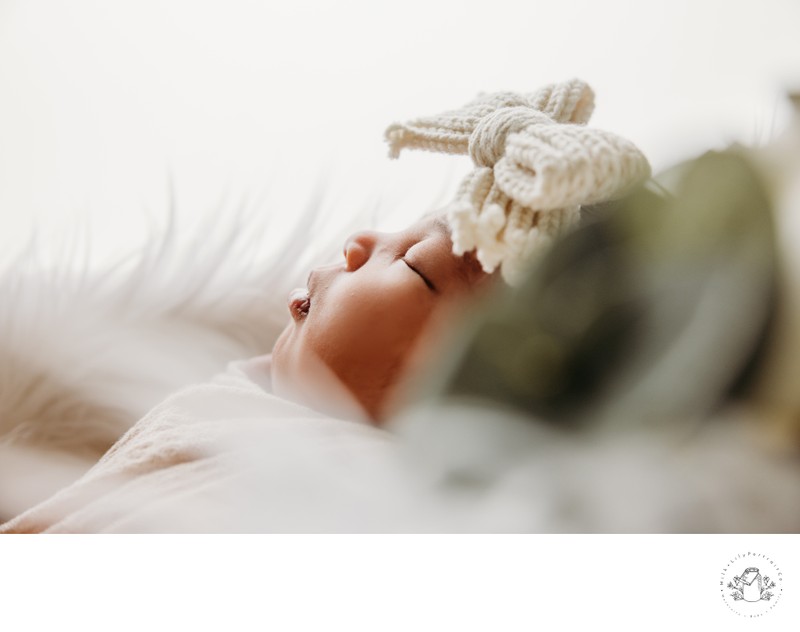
{"type": "Point", "coordinates": [394, 310]}
{"type": "Point", "coordinates": [441, 323]}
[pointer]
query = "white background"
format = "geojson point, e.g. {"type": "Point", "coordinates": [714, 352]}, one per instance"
{"type": "Point", "coordinates": [259, 104]}
{"type": "Point", "coordinates": [385, 583]}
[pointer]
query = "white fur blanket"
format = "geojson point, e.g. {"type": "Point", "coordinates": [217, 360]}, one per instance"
{"type": "Point", "coordinates": [87, 350]}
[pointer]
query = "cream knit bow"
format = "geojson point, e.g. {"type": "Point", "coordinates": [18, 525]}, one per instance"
{"type": "Point", "coordinates": [535, 164]}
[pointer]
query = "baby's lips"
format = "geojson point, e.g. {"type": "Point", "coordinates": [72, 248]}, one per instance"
{"type": "Point", "coordinates": [299, 303]}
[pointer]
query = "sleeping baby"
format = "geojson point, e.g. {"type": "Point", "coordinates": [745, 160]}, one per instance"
{"type": "Point", "coordinates": [360, 321]}
{"type": "Point", "coordinates": [269, 445]}
{"type": "Point", "coordinates": [362, 317]}
{"type": "Point", "coordinates": [356, 334]}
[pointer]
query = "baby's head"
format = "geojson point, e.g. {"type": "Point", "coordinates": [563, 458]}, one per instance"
{"type": "Point", "coordinates": [361, 318]}
{"type": "Point", "coordinates": [536, 163]}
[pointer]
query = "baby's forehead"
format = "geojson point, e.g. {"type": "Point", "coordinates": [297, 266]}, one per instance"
{"type": "Point", "coordinates": [435, 221]}
{"type": "Point", "coordinates": [465, 266]}
{"type": "Point", "coordinates": [436, 224]}
{"type": "Point", "coordinates": [469, 268]}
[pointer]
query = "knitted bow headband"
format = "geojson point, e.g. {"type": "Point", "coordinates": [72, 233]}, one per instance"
{"type": "Point", "coordinates": [536, 163]}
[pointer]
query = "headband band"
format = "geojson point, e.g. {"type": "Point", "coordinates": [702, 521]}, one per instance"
{"type": "Point", "coordinates": [536, 163]}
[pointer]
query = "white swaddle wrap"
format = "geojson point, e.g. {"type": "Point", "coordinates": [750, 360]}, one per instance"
{"type": "Point", "coordinates": [223, 456]}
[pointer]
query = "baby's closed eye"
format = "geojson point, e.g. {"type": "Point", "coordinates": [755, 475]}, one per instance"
{"type": "Point", "coordinates": [421, 275]}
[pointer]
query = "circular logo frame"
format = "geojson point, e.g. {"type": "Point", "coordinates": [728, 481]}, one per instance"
{"type": "Point", "coordinates": [751, 584]}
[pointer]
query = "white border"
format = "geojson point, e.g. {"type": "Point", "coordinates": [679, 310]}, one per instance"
{"type": "Point", "coordinates": [382, 583]}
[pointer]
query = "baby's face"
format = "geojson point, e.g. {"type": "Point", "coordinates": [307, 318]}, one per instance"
{"type": "Point", "coordinates": [360, 318]}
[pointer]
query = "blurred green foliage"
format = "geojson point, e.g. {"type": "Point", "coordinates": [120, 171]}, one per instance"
{"type": "Point", "coordinates": [658, 306]}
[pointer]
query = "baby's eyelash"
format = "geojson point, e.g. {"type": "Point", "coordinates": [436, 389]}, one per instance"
{"type": "Point", "coordinates": [430, 285]}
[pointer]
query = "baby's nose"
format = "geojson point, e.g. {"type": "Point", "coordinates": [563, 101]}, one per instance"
{"type": "Point", "coordinates": [358, 249]}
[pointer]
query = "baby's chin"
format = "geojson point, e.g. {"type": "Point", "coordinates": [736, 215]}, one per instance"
{"type": "Point", "coordinates": [300, 376]}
